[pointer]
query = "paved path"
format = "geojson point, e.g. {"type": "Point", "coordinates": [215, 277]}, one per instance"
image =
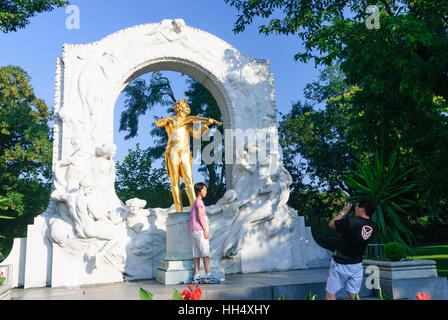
{"type": "Point", "coordinates": [256, 286]}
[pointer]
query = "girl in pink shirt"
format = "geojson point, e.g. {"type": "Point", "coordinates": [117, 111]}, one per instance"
{"type": "Point", "coordinates": [200, 236]}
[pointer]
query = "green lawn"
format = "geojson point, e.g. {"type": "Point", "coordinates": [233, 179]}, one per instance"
{"type": "Point", "coordinates": [437, 252]}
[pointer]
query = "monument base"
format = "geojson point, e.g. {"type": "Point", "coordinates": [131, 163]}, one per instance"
{"type": "Point", "coordinates": [177, 267]}
{"type": "Point", "coordinates": [404, 279]}
{"type": "Point", "coordinates": [182, 271]}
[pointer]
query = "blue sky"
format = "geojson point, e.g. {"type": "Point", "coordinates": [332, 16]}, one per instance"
{"type": "Point", "coordinates": [36, 47]}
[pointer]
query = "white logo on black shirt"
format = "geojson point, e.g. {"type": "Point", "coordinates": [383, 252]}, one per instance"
{"type": "Point", "coordinates": [366, 232]}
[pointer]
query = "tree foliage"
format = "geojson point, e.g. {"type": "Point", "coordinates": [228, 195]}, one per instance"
{"type": "Point", "coordinates": [25, 137]}
{"type": "Point", "coordinates": [142, 97]}
{"type": "Point", "coordinates": [323, 26]}
{"type": "Point", "coordinates": [320, 143]}
{"type": "Point", "coordinates": [15, 14]}
{"type": "Point", "coordinates": [25, 152]}
{"type": "Point", "coordinates": [383, 89]}
{"type": "Point", "coordinates": [138, 178]}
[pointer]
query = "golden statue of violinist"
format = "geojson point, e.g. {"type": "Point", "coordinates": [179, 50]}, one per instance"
{"type": "Point", "coordinates": [178, 157]}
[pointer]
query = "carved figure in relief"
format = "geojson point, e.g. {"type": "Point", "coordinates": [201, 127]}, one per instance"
{"type": "Point", "coordinates": [244, 171]}
{"type": "Point", "coordinates": [72, 169]}
{"type": "Point", "coordinates": [94, 223]}
{"type": "Point", "coordinates": [270, 197]}
{"type": "Point", "coordinates": [137, 219]}
{"type": "Point", "coordinates": [229, 204]}
{"type": "Point", "coordinates": [103, 173]}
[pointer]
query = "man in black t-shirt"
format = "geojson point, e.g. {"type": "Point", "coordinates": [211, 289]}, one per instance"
{"type": "Point", "coordinates": [346, 266]}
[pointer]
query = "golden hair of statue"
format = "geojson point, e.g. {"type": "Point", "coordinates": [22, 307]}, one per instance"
{"type": "Point", "coordinates": [178, 157]}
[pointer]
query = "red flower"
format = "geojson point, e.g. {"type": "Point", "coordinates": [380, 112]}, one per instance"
{"type": "Point", "coordinates": [423, 296]}
{"type": "Point", "coordinates": [192, 294]}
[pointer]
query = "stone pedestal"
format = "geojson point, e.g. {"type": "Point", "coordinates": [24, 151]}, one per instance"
{"type": "Point", "coordinates": [16, 259]}
{"type": "Point", "coordinates": [38, 248]}
{"type": "Point", "coordinates": [403, 279]}
{"type": "Point", "coordinates": [399, 270]}
{"type": "Point", "coordinates": [177, 266]}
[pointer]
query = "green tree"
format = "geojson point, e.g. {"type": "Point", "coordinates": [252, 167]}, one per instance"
{"type": "Point", "coordinates": [137, 178]}
{"type": "Point", "coordinates": [15, 14]}
{"type": "Point", "coordinates": [141, 97]}
{"type": "Point", "coordinates": [320, 143]}
{"type": "Point", "coordinates": [3, 206]}
{"type": "Point", "coordinates": [25, 153]}
{"type": "Point", "coordinates": [395, 88]}
{"type": "Point", "coordinates": [326, 27]}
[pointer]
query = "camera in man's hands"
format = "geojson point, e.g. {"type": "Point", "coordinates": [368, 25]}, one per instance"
{"type": "Point", "coordinates": [352, 209]}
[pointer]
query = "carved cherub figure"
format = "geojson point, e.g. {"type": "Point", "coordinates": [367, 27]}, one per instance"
{"type": "Point", "coordinates": [137, 219]}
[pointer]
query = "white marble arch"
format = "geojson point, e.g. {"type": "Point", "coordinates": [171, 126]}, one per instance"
{"type": "Point", "coordinates": [86, 236]}
{"type": "Point", "coordinates": [90, 78]}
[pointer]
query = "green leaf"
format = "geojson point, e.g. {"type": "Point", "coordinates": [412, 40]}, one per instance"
{"type": "Point", "coordinates": [380, 293]}
{"type": "Point", "coordinates": [379, 211]}
{"type": "Point", "coordinates": [144, 295]}
{"type": "Point", "coordinates": [310, 297]}
{"type": "Point", "coordinates": [385, 297]}
{"type": "Point", "coordinates": [6, 217]}
{"type": "Point", "coordinates": [176, 295]}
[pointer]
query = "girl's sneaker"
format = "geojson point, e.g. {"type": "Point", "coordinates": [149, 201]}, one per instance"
{"type": "Point", "coordinates": [197, 279]}
{"type": "Point", "coordinates": [210, 279]}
